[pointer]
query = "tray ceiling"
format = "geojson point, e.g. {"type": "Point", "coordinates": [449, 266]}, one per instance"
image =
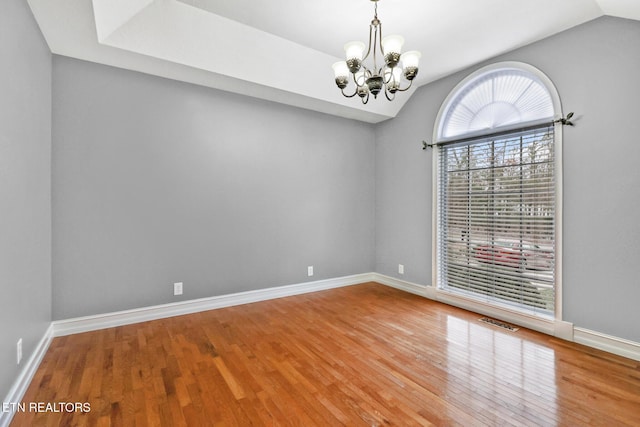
{"type": "Point", "coordinates": [282, 50]}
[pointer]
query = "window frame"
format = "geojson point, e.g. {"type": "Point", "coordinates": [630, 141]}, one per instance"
{"type": "Point", "coordinates": [542, 324]}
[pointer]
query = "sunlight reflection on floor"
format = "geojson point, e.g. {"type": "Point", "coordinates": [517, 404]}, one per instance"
{"type": "Point", "coordinates": [502, 368]}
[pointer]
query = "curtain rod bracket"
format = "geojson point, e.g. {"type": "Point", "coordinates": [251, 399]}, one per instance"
{"type": "Point", "coordinates": [565, 121]}
{"type": "Point", "coordinates": [426, 145]}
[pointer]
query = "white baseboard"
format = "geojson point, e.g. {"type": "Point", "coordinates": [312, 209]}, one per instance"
{"type": "Point", "coordinates": [608, 343]}
{"type": "Point", "coordinates": [143, 314]}
{"type": "Point", "coordinates": [542, 325]}
{"type": "Point", "coordinates": [564, 330]}
{"type": "Point", "coordinates": [558, 328]}
{"type": "Point", "coordinates": [403, 285]}
{"type": "Point", "coordinates": [19, 388]}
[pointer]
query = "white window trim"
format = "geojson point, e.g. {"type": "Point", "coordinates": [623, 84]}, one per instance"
{"type": "Point", "coordinates": [556, 326]}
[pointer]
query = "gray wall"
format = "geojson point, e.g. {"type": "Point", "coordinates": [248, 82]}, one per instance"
{"type": "Point", "coordinates": [157, 181]}
{"type": "Point", "coordinates": [595, 69]}
{"type": "Point", "coordinates": [25, 186]}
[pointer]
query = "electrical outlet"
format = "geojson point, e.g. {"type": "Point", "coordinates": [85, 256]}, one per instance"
{"type": "Point", "coordinates": [177, 288]}
{"type": "Point", "coordinates": [310, 271]}
{"type": "Point", "coordinates": [401, 268]}
{"type": "Point", "coordinates": [19, 351]}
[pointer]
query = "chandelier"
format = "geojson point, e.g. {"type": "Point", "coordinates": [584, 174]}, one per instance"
{"type": "Point", "coordinates": [372, 80]}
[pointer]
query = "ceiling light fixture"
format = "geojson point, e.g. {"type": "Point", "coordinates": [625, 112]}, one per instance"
{"type": "Point", "coordinates": [374, 80]}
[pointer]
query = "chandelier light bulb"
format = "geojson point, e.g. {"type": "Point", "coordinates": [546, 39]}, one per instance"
{"type": "Point", "coordinates": [341, 72]}
{"type": "Point", "coordinates": [354, 50]}
{"type": "Point", "coordinates": [392, 48]}
{"type": "Point", "coordinates": [340, 69]}
{"type": "Point", "coordinates": [411, 58]}
{"type": "Point", "coordinates": [354, 53]}
{"type": "Point", "coordinates": [410, 62]}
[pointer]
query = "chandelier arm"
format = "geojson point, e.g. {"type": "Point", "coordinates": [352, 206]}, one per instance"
{"type": "Point", "coordinates": [376, 41]}
{"type": "Point", "coordinates": [365, 75]}
{"type": "Point", "coordinates": [380, 39]}
{"type": "Point", "coordinates": [365, 99]}
{"type": "Point", "coordinates": [406, 88]}
{"type": "Point", "coordinates": [390, 74]}
{"type": "Point", "coordinates": [386, 93]}
{"type": "Point", "coordinates": [369, 48]}
{"type": "Point", "coordinates": [349, 96]}
{"type": "Point", "coordinates": [373, 30]}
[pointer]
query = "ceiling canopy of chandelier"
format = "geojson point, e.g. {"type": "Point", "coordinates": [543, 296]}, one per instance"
{"type": "Point", "coordinates": [372, 80]}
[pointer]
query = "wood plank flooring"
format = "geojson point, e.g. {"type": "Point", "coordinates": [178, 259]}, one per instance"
{"type": "Point", "coordinates": [364, 355]}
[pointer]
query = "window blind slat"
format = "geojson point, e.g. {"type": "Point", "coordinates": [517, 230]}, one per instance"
{"type": "Point", "coordinates": [497, 219]}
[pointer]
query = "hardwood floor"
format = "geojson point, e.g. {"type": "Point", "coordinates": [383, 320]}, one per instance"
{"type": "Point", "coordinates": [364, 355]}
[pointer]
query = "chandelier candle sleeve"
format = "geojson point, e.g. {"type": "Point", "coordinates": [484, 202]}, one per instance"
{"type": "Point", "coordinates": [371, 78]}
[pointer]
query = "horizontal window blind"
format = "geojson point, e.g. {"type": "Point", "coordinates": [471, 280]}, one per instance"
{"type": "Point", "coordinates": [496, 200]}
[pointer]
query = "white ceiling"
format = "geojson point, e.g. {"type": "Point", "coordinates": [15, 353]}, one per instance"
{"type": "Point", "coordinates": [282, 50]}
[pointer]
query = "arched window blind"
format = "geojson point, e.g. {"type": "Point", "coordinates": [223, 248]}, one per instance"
{"type": "Point", "coordinates": [495, 100]}
{"type": "Point", "coordinates": [496, 192]}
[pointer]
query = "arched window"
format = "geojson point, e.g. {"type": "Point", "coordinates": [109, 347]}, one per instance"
{"type": "Point", "coordinates": [497, 177]}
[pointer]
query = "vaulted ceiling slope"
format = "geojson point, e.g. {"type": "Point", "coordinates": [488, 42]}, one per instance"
{"type": "Point", "coordinates": [282, 50]}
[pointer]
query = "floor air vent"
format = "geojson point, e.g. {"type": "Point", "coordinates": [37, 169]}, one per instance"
{"type": "Point", "coordinates": [499, 324]}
